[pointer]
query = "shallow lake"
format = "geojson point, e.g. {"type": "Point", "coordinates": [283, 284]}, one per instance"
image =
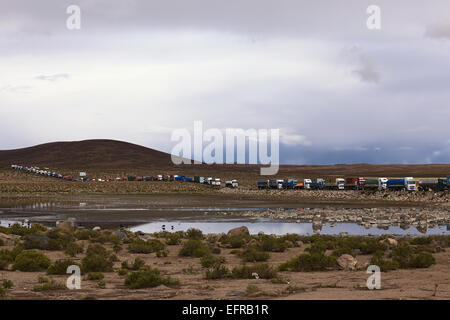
{"type": "Point", "coordinates": [280, 228]}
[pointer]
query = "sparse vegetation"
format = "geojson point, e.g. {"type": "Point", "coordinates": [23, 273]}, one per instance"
{"type": "Point", "coordinates": [30, 261]}
{"type": "Point", "coordinates": [309, 262]}
{"type": "Point", "coordinates": [194, 248]}
{"type": "Point", "coordinates": [97, 259]}
{"type": "Point", "coordinates": [60, 266]}
{"type": "Point", "coordinates": [148, 278]}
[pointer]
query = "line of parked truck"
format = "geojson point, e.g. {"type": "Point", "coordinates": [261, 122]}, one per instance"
{"type": "Point", "coordinates": [160, 177]}
{"type": "Point", "coordinates": [359, 183]}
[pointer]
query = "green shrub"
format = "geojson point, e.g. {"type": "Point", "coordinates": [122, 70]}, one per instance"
{"type": "Point", "coordinates": [30, 261]}
{"type": "Point", "coordinates": [261, 270]}
{"type": "Point", "coordinates": [161, 253]}
{"type": "Point", "coordinates": [101, 284]}
{"type": "Point", "coordinates": [122, 272]}
{"type": "Point", "coordinates": [384, 264]}
{"type": "Point", "coordinates": [217, 272]}
{"type": "Point", "coordinates": [252, 254]}
{"type": "Point", "coordinates": [236, 241]}
{"type": "Point", "coordinates": [73, 249]}
{"type": "Point", "coordinates": [403, 255]}
{"type": "Point", "coordinates": [137, 264]}
{"type": "Point", "coordinates": [318, 247]}
{"type": "Point", "coordinates": [422, 260]}
{"type": "Point", "coordinates": [49, 285]}
{"type": "Point", "coordinates": [272, 244]}
{"type": "Point", "coordinates": [209, 261]}
{"type": "Point", "coordinates": [3, 295]}
{"type": "Point", "coordinates": [148, 278]}
{"type": "Point", "coordinates": [194, 248]}
{"type": "Point", "coordinates": [173, 239]}
{"type": "Point", "coordinates": [97, 259]}
{"type": "Point", "coordinates": [7, 284]}
{"type": "Point", "coordinates": [2, 243]}
{"type": "Point", "coordinates": [421, 240]}
{"type": "Point", "coordinates": [142, 246]}
{"type": "Point", "coordinates": [309, 262]}
{"type": "Point", "coordinates": [193, 233]}
{"type": "Point", "coordinates": [60, 266]}
{"type": "Point", "coordinates": [95, 276]}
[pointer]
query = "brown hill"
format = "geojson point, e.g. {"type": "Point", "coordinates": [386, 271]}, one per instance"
{"type": "Point", "coordinates": [87, 153]}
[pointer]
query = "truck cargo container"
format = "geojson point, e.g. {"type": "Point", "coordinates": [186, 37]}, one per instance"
{"type": "Point", "coordinates": [407, 183]}
{"type": "Point", "coordinates": [354, 183]}
{"type": "Point", "coordinates": [338, 184]}
{"type": "Point", "coordinates": [440, 184]}
{"type": "Point", "coordinates": [319, 184]}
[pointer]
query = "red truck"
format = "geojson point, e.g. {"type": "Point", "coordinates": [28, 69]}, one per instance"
{"type": "Point", "coordinates": [354, 183]}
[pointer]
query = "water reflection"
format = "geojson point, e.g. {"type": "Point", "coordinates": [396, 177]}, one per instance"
{"type": "Point", "coordinates": [280, 228]}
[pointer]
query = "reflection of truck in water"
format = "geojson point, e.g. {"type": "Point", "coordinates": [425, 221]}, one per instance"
{"type": "Point", "coordinates": [407, 183]}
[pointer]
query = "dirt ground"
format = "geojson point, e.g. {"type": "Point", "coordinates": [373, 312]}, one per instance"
{"type": "Point", "coordinates": [399, 284]}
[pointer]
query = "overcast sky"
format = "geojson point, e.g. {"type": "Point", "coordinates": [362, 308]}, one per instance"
{"type": "Point", "coordinates": [136, 70]}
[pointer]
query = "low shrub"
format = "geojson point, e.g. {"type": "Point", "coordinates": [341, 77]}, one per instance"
{"type": "Point", "coordinates": [309, 262]}
{"type": "Point", "coordinates": [194, 248]}
{"type": "Point", "coordinates": [142, 246]}
{"type": "Point", "coordinates": [136, 265]}
{"type": "Point", "coordinates": [384, 264]}
{"type": "Point", "coordinates": [95, 276]}
{"type": "Point", "coordinates": [7, 284]}
{"type": "Point", "coordinates": [173, 239]}
{"type": "Point", "coordinates": [209, 261]}
{"type": "Point", "coordinates": [261, 270]}
{"type": "Point", "coordinates": [217, 272]}
{"type": "Point", "coordinates": [60, 266]}
{"type": "Point", "coordinates": [193, 233]}
{"type": "Point", "coordinates": [161, 253]}
{"type": "Point", "coordinates": [422, 260]}
{"type": "Point", "coordinates": [252, 254]}
{"type": "Point", "coordinates": [30, 261]}
{"type": "Point", "coordinates": [49, 285]}
{"type": "Point", "coordinates": [97, 259]}
{"type": "Point", "coordinates": [272, 244]}
{"type": "Point", "coordinates": [148, 278]}
{"type": "Point", "coordinates": [73, 249]}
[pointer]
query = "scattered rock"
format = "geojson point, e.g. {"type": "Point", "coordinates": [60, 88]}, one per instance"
{"type": "Point", "coordinates": [96, 228]}
{"type": "Point", "coordinates": [240, 231]}
{"type": "Point", "coordinates": [347, 262]}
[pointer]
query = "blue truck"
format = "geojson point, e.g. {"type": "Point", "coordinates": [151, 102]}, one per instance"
{"type": "Point", "coordinates": [407, 183]}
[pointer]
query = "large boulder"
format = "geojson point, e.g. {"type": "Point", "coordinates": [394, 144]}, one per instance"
{"type": "Point", "coordinates": [240, 231]}
{"type": "Point", "coordinates": [347, 262]}
{"type": "Point", "coordinates": [390, 243]}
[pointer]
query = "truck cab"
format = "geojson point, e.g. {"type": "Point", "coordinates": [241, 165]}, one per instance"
{"type": "Point", "coordinates": [410, 184]}
{"type": "Point", "coordinates": [340, 183]}
{"type": "Point", "coordinates": [307, 183]}
{"type": "Point", "coordinates": [382, 183]}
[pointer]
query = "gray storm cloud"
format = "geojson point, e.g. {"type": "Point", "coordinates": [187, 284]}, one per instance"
{"type": "Point", "coordinates": [136, 70]}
